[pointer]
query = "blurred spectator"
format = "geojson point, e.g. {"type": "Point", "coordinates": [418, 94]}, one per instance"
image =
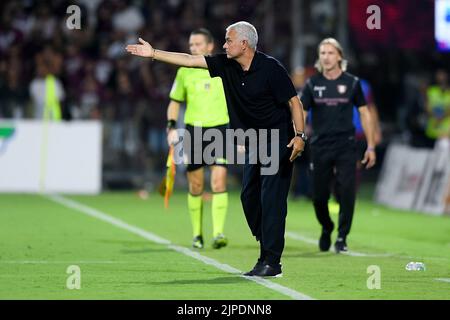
{"type": "Point", "coordinates": [301, 179]}
{"type": "Point", "coordinates": [73, 69]}
{"type": "Point", "coordinates": [127, 18]}
{"type": "Point", "coordinates": [52, 59]}
{"type": "Point", "coordinates": [115, 49]}
{"type": "Point", "coordinates": [13, 90]}
{"type": "Point", "coordinates": [361, 143]}
{"type": "Point", "coordinates": [8, 34]}
{"type": "Point", "coordinates": [324, 19]}
{"type": "Point", "coordinates": [45, 23]}
{"type": "Point", "coordinates": [14, 96]}
{"type": "Point", "coordinates": [104, 66]}
{"type": "Point", "coordinates": [104, 19]}
{"type": "Point", "coordinates": [90, 94]}
{"type": "Point", "coordinates": [21, 21]}
{"type": "Point", "coordinates": [91, 7]}
{"type": "Point", "coordinates": [412, 114]}
{"type": "Point", "coordinates": [47, 93]}
{"type": "Point", "coordinates": [438, 107]}
{"type": "Point", "coordinates": [124, 134]}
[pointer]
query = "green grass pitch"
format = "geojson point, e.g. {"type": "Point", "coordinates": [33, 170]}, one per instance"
{"type": "Point", "coordinates": [40, 239]}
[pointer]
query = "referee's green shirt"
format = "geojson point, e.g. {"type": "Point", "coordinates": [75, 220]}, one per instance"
{"type": "Point", "coordinates": [205, 100]}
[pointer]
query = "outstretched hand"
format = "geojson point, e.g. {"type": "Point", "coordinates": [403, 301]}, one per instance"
{"type": "Point", "coordinates": [143, 50]}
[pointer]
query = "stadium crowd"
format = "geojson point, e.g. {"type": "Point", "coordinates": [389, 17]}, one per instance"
{"type": "Point", "coordinates": [95, 79]}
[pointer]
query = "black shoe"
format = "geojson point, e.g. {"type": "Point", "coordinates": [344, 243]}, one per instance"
{"type": "Point", "coordinates": [269, 271]}
{"type": "Point", "coordinates": [340, 245]}
{"type": "Point", "coordinates": [220, 241]}
{"type": "Point", "coordinates": [325, 239]}
{"type": "Point", "coordinates": [259, 264]}
{"type": "Point", "coordinates": [197, 243]}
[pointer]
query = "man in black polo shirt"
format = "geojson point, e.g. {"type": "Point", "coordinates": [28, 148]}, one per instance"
{"type": "Point", "coordinates": [330, 96]}
{"type": "Point", "coordinates": [260, 95]}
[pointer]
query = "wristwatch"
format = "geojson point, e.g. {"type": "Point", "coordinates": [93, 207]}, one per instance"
{"type": "Point", "coordinates": [302, 135]}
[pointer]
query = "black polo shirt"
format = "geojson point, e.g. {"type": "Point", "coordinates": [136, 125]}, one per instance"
{"type": "Point", "coordinates": [331, 104]}
{"type": "Point", "coordinates": [257, 98]}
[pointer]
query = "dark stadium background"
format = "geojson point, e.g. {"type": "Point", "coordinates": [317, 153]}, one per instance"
{"type": "Point", "coordinates": [130, 95]}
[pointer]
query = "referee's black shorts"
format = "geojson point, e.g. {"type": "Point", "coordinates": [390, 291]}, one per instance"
{"type": "Point", "coordinates": [194, 148]}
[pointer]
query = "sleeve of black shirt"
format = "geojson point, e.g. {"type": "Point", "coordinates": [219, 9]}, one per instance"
{"type": "Point", "coordinates": [216, 64]}
{"type": "Point", "coordinates": [358, 98]}
{"type": "Point", "coordinates": [306, 96]}
{"type": "Point", "coordinates": [281, 84]}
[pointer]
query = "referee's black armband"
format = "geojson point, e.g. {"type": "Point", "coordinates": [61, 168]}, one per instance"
{"type": "Point", "coordinates": [171, 124]}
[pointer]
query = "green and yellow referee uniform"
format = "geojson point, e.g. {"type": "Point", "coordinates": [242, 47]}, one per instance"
{"type": "Point", "coordinates": [206, 108]}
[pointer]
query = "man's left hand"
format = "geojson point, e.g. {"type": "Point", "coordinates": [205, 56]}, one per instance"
{"type": "Point", "coordinates": [297, 144]}
{"type": "Point", "coordinates": [369, 158]}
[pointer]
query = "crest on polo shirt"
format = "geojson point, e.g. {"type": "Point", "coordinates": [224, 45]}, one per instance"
{"type": "Point", "coordinates": [207, 86]}
{"type": "Point", "coordinates": [320, 89]}
{"type": "Point", "coordinates": [341, 88]}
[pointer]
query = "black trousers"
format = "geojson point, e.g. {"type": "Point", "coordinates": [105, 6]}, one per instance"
{"type": "Point", "coordinates": [264, 200]}
{"type": "Point", "coordinates": [334, 161]}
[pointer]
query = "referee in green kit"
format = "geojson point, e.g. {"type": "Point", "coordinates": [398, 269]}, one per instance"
{"type": "Point", "coordinates": [206, 108]}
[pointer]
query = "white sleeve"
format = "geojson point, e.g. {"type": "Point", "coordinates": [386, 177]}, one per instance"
{"type": "Point", "coordinates": [60, 90]}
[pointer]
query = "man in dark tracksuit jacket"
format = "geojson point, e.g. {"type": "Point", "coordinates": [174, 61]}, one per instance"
{"type": "Point", "coordinates": [330, 96]}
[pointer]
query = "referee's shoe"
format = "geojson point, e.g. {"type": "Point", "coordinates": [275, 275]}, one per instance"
{"type": "Point", "coordinates": [219, 241]}
{"type": "Point", "coordinates": [197, 242]}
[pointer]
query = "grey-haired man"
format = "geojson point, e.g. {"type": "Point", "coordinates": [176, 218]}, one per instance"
{"type": "Point", "coordinates": [260, 95]}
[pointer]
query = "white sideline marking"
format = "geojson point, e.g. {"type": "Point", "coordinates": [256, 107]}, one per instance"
{"type": "Point", "coordinates": [66, 262]}
{"type": "Point", "coordinates": [443, 279]}
{"type": "Point", "coordinates": [299, 237]}
{"type": "Point", "coordinates": [154, 238]}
